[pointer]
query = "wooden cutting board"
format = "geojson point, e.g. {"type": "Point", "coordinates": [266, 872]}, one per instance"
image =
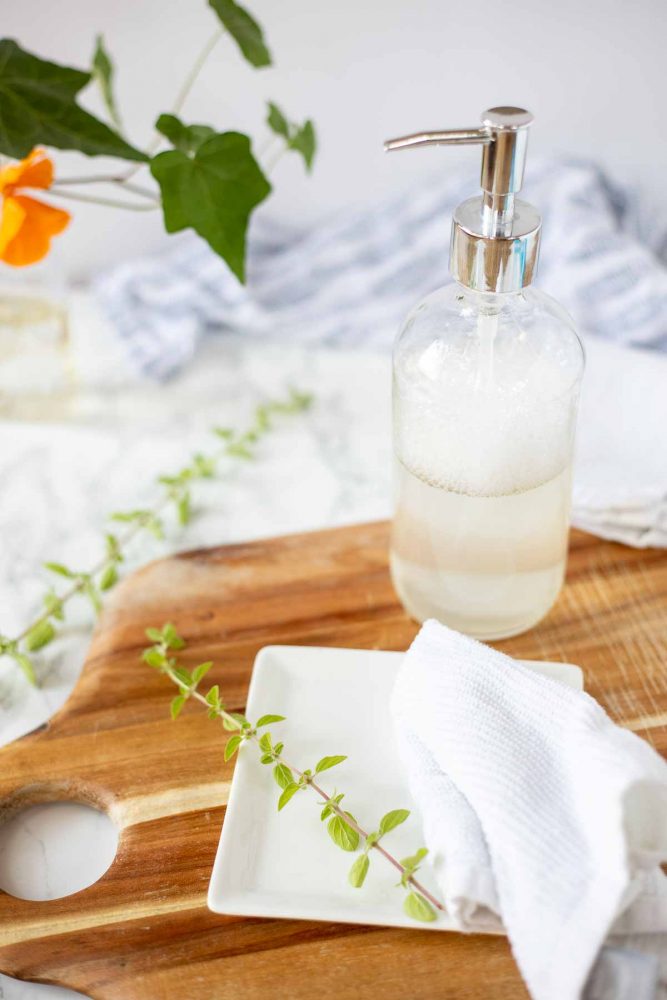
{"type": "Point", "coordinates": [143, 930]}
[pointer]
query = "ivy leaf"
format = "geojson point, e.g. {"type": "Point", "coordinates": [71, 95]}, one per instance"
{"type": "Point", "coordinates": [103, 75]}
{"type": "Point", "coordinates": [418, 908]}
{"type": "Point", "coordinates": [244, 30]}
{"type": "Point", "coordinates": [39, 636]}
{"type": "Point", "coordinates": [358, 871]}
{"type": "Point", "coordinates": [176, 705]}
{"type": "Point", "coordinates": [289, 791]}
{"type": "Point", "coordinates": [304, 142]}
{"type": "Point", "coordinates": [266, 720]}
{"type": "Point", "coordinates": [38, 108]}
{"type": "Point", "coordinates": [187, 138]}
{"type": "Point", "coordinates": [232, 745]}
{"type": "Point", "coordinates": [276, 121]}
{"type": "Point", "coordinates": [342, 834]}
{"type": "Point", "coordinates": [283, 775]}
{"type": "Point", "coordinates": [326, 762]}
{"type": "Point", "coordinates": [393, 819]}
{"type": "Point", "coordinates": [213, 192]}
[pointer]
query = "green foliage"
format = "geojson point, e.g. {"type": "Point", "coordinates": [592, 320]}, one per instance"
{"type": "Point", "coordinates": [342, 833]}
{"type": "Point", "coordinates": [244, 30]}
{"type": "Point", "coordinates": [289, 791]}
{"type": "Point", "coordinates": [232, 745]}
{"type": "Point", "coordinates": [39, 636]}
{"type": "Point", "coordinates": [267, 720]}
{"type": "Point", "coordinates": [38, 108]}
{"type": "Point", "coordinates": [358, 871]}
{"type": "Point", "coordinates": [213, 192]}
{"type": "Point", "coordinates": [393, 819]}
{"type": "Point", "coordinates": [418, 908]}
{"type": "Point", "coordinates": [326, 762]}
{"type": "Point", "coordinates": [282, 775]}
{"type": "Point", "coordinates": [187, 138]}
{"type": "Point", "coordinates": [411, 865]}
{"type": "Point", "coordinates": [300, 138]}
{"type": "Point", "coordinates": [9, 647]}
{"type": "Point", "coordinates": [103, 72]}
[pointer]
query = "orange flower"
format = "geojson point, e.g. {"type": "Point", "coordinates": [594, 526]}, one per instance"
{"type": "Point", "coordinates": [27, 225]}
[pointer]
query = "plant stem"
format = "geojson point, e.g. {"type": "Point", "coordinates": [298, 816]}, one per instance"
{"type": "Point", "coordinates": [105, 179]}
{"type": "Point", "coordinates": [310, 784]}
{"type": "Point", "coordinates": [109, 202]}
{"type": "Point", "coordinates": [181, 97]}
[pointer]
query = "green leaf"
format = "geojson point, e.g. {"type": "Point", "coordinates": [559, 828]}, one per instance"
{"type": "Point", "coordinates": [393, 819]}
{"type": "Point", "coordinates": [171, 637]}
{"type": "Point", "coordinates": [266, 758]}
{"type": "Point", "coordinates": [103, 74]}
{"type": "Point", "coordinates": [326, 762]}
{"type": "Point", "coordinates": [39, 636]}
{"type": "Point", "coordinates": [25, 663]}
{"type": "Point", "coordinates": [176, 705]}
{"type": "Point", "coordinates": [213, 696]}
{"type": "Point", "coordinates": [38, 108]}
{"type": "Point", "coordinates": [108, 577]}
{"type": "Point", "coordinates": [201, 671]}
{"type": "Point", "coordinates": [183, 509]}
{"type": "Point", "coordinates": [54, 605]}
{"type": "Point", "coordinates": [414, 860]}
{"type": "Point", "coordinates": [265, 742]}
{"type": "Point", "coordinates": [187, 138]}
{"type": "Point", "coordinates": [153, 657]}
{"type": "Point", "coordinates": [154, 634]}
{"type": "Point", "coordinates": [358, 871]}
{"type": "Point", "coordinates": [418, 908]}
{"type": "Point", "coordinates": [304, 142]}
{"type": "Point", "coordinates": [58, 568]}
{"type": "Point", "coordinates": [244, 30]}
{"type": "Point", "coordinates": [276, 121]}
{"type": "Point", "coordinates": [342, 834]}
{"type": "Point", "coordinates": [241, 719]}
{"type": "Point", "coordinates": [283, 775]}
{"type": "Point", "coordinates": [232, 745]}
{"type": "Point", "coordinates": [214, 192]}
{"type": "Point", "coordinates": [266, 720]}
{"type": "Point", "coordinates": [289, 791]}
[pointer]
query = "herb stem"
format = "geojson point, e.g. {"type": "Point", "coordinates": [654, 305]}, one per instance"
{"type": "Point", "coordinates": [109, 202]}
{"type": "Point", "coordinates": [377, 846]}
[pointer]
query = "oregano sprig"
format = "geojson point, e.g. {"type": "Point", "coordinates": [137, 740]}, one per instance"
{"type": "Point", "coordinates": [342, 826]}
{"type": "Point", "coordinates": [175, 495]}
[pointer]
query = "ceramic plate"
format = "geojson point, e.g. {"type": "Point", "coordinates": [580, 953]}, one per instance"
{"type": "Point", "coordinates": [270, 864]}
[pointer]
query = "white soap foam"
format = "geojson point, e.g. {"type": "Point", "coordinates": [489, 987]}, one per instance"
{"type": "Point", "coordinates": [484, 421]}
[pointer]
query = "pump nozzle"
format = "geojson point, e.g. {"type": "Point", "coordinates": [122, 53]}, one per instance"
{"type": "Point", "coordinates": [507, 263]}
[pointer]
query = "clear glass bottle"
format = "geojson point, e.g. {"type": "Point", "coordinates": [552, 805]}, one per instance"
{"type": "Point", "coordinates": [486, 383]}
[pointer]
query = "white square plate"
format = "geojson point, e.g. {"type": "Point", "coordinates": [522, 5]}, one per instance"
{"type": "Point", "coordinates": [270, 864]}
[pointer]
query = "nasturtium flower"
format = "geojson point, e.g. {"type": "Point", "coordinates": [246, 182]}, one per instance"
{"type": "Point", "coordinates": [28, 225]}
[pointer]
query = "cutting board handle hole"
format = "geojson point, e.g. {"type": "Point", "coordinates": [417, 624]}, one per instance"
{"type": "Point", "coordinates": [54, 849]}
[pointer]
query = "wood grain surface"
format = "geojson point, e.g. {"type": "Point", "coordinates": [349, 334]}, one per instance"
{"type": "Point", "coordinates": [143, 930]}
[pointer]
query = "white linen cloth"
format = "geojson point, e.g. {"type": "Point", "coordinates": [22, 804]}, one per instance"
{"type": "Point", "coordinates": [539, 813]}
{"type": "Point", "coordinates": [620, 476]}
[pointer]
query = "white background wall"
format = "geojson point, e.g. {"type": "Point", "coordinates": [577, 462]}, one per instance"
{"type": "Point", "coordinates": [592, 71]}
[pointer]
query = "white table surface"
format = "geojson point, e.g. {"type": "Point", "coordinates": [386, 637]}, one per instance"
{"type": "Point", "coordinates": [328, 467]}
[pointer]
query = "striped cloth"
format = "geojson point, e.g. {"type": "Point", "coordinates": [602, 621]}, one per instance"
{"type": "Point", "coordinates": [349, 280]}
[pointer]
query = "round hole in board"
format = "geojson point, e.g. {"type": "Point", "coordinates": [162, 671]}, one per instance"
{"type": "Point", "coordinates": [55, 849]}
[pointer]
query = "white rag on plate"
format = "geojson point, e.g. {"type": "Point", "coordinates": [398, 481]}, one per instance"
{"type": "Point", "coordinates": [540, 814]}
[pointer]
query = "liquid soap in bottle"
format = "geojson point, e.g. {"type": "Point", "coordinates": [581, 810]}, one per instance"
{"type": "Point", "coordinates": [487, 373]}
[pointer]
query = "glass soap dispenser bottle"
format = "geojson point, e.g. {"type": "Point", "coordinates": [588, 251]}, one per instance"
{"type": "Point", "coordinates": [486, 383]}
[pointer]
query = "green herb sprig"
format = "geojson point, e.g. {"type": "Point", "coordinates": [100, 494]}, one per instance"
{"type": "Point", "coordinates": [176, 493]}
{"type": "Point", "coordinates": [343, 828]}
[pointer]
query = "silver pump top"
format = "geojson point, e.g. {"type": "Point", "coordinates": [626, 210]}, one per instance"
{"type": "Point", "coordinates": [495, 237]}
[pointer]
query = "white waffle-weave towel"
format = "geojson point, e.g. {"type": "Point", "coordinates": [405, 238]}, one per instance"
{"type": "Point", "coordinates": [540, 814]}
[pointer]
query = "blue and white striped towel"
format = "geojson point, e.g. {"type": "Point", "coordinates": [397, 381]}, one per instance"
{"type": "Point", "coordinates": [350, 280]}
